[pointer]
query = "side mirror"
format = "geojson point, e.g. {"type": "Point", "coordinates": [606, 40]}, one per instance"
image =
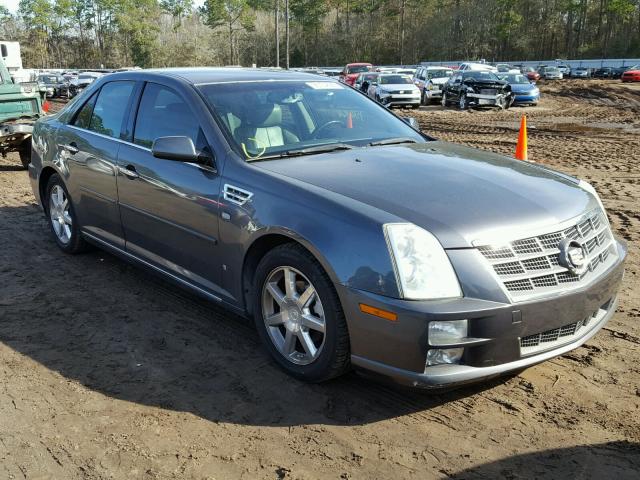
{"type": "Point", "coordinates": [180, 149]}
{"type": "Point", "coordinates": [412, 122]}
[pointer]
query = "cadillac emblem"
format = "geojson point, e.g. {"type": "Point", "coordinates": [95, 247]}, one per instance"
{"type": "Point", "coordinates": [572, 256]}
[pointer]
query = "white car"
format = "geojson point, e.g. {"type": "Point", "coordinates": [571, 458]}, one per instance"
{"type": "Point", "coordinates": [430, 80]}
{"type": "Point", "coordinates": [477, 66]}
{"type": "Point", "coordinates": [395, 90]}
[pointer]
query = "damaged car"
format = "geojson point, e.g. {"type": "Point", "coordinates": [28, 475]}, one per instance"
{"type": "Point", "coordinates": [477, 89]}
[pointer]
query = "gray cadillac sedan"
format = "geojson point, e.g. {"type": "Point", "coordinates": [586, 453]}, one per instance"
{"type": "Point", "coordinates": [352, 239]}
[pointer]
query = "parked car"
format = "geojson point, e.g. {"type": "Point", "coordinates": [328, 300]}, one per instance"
{"type": "Point", "coordinates": [550, 73]}
{"type": "Point", "coordinates": [581, 72]}
{"type": "Point", "coordinates": [351, 239]}
{"type": "Point", "coordinates": [351, 71]}
{"type": "Point", "coordinates": [365, 80]}
{"type": "Point", "coordinates": [524, 92]}
{"type": "Point", "coordinates": [430, 80]}
{"type": "Point", "coordinates": [632, 74]}
{"type": "Point", "coordinates": [475, 88]}
{"type": "Point", "coordinates": [395, 90]}
{"type": "Point", "coordinates": [605, 72]}
{"type": "Point", "coordinates": [565, 70]}
{"type": "Point", "coordinates": [51, 85]}
{"type": "Point", "coordinates": [531, 73]}
{"type": "Point", "coordinates": [477, 67]}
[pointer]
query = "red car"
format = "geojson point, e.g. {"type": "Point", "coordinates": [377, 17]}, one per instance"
{"type": "Point", "coordinates": [531, 74]}
{"type": "Point", "coordinates": [632, 75]}
{"type": "Point", "coordinates": [352, 70]}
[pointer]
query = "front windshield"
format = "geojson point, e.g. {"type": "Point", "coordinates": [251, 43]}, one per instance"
{"type": "Point", "coordinates": [276, 118]}
{"type": "Point", "coordinates": [358, 69]}
{"type": "Point", "coordinates": [48, 79]}
{"type": "Point", "coordinates": [439, 73]}
{"type": "Point", "coordinates": [516, 78]}
{"type": "Point", "coordinates": [552, 69]}
{"type": "Point", "coordinates": [395, 80]}
{"type": "Point", "coordinates": [481, 75]}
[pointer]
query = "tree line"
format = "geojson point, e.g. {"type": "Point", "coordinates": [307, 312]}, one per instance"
{"type": "Point", "coordinates": [163, 33]}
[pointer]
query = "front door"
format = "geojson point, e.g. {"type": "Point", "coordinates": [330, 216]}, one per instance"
{"type": "Point", "coordinates": [88, 151]}
{"type": "Point", "coordinates": [169, 209]}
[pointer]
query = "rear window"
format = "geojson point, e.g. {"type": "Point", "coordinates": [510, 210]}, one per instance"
{"type": "Point", "coordinates": [110, 108]}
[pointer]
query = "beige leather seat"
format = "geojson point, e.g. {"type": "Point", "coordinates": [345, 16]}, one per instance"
{"type": "Point", "coordinates": [261, 128]}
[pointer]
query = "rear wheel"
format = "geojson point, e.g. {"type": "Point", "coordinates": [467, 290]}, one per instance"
{"type": "Point", "coordinates": [62, 217]}
{"type": "Point", "coordinates": [298, 315]}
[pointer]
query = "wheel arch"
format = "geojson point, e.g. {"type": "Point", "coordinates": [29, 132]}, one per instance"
{"type": "Point", "coordinates": [266, 242]}
{"type": "Point", "coordinates": [46, 173]}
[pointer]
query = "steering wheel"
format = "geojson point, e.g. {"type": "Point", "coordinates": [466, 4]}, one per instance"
{"type": "Point", "coordinates": [326, 126]}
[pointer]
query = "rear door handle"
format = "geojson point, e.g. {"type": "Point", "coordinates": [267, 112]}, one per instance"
{"type": "Point", "coordinates": [129, 171]}
{"type": "Point", "coordinates": [72, 148]}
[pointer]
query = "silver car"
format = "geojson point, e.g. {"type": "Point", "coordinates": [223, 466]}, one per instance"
{"type": "Point", "coordinates": [396, 90]}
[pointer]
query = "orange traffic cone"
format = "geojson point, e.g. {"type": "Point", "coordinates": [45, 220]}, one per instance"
{"type": "Point", "coordinates": [349, 121]}
{"type": "Point", "coordinates": [521, 147]}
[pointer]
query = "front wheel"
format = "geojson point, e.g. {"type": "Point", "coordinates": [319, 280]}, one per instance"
{"type": "Point", "coordinates": [462, 102]}
{"type": "Point", "coordinates": [298, 315]}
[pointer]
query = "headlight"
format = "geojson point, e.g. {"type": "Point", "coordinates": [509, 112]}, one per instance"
{"type": "Point", "coordinates": [422, 268]}
{"type": "Point", "coordinates": [447, 332]}
{"type": "Point", "coordinates": [442, 356]}
{"type": "Point", "coordinates": [586, 186]}
{"type": "Point", "coordinates": [384, 93]}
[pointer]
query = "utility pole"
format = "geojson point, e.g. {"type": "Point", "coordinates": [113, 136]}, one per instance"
{"type": "Point", "coordinates": [277, 33]}
{"type": "Point", "coordinates": [286, 31]}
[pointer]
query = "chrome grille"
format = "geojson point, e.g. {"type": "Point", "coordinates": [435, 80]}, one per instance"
{"type": "Point", "coordinates": [488, 91]}
{"type": "Point", "coordinates": [530, 267]}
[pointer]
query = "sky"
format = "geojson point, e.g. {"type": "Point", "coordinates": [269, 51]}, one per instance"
{"type": "Point", "coordinates": [12, 5]}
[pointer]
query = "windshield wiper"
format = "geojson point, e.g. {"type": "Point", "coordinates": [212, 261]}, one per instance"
{"type": "Point", "coordinates": [393, 141]}
{"type": "Point", "coordinates": [306, 151]}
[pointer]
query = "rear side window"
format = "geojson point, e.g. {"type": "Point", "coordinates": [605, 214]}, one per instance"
{"type": "Point", "coordinates": [84, 115]}
{"type": "Point", "coordinates": [163, 113]}
{"type": "Point", "coordinates": [110, 108]}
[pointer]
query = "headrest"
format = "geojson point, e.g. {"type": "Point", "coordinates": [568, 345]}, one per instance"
{"type": "Point", "coordinates": [264, 115]}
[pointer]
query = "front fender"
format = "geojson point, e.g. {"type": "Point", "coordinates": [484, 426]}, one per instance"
{"type": "Point", "coordinates": [344, 235]}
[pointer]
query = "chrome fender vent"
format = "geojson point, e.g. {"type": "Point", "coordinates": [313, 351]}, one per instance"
{"type": "Point", "coordinates": [236, 195]}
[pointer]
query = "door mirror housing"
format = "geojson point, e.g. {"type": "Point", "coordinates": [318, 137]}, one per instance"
{"type": "Point", "coordinates": [412, 122]}
{"type": "Point", "coordinates": [179, 149]}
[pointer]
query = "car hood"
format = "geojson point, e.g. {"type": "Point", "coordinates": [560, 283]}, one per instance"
{"type": "Point", "coordinates": [388, 87]}
{"type": "Point", "coordinates": [471, 82]}
{"type": "Point", "coordinates": [459, 194]}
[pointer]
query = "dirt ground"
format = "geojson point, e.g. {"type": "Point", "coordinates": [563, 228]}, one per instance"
{"type": "Point", "coordinates": [107, 372]}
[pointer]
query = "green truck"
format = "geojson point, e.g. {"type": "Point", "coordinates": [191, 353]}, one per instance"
{"type": "Point", "coordinates": [20, 107]}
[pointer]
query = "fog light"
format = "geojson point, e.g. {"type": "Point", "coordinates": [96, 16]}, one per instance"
{"type": "Point", "coordinates": [447, 333]}
{"type": "Point", "coordinates": [444, 356]}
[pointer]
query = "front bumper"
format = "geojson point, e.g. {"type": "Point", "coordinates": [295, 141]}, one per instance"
{"type": "Point", "coordinates": [400, 99]}
{"type": "Point", "coordinates": [483, 100]}
{"type": "Point", "coordinates": [15, 132]}
{"type": "Point", "coordinates": [526, 98]}
{"type": "Point", "coordinates": [398, 350]}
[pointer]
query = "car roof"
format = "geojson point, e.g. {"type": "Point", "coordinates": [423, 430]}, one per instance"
{"type": "Point", "coordinates": [205, 75]}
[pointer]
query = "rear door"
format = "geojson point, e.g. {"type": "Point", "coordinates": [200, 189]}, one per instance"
{"type": "Point", "coordinates": [88, 150]}
{"type": "Point", "coordinates": [169, 209]}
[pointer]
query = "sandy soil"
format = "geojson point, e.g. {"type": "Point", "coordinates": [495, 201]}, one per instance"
{"type": "Point", "coordinates": [109, 372]}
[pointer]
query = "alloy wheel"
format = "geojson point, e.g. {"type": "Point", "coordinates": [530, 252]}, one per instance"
{"type": "Point", "coordinates": [60, 215]}
{"type": "Point", "coordinates": [293, 315]}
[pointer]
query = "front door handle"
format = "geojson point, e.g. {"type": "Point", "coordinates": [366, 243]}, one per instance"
{"type": "Point", "coordinates": [129, 171]}
{"type": "Point", "coordinates": [72, 148]}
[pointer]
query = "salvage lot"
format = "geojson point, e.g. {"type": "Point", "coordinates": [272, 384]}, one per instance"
{"type": "Point", "coordinates": [109, 372]}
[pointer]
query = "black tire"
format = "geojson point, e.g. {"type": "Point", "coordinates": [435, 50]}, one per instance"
{"type": "Point", "coordinates": [334, 358]}
{"type": "Point", "coordinates": [25, 153]}
{"type": "Point", "coordinates": [463, 104]}
{"type": "Point", "coordinates": [76, 243]}
{"type": "Point", "coordinates": [415, 107]}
